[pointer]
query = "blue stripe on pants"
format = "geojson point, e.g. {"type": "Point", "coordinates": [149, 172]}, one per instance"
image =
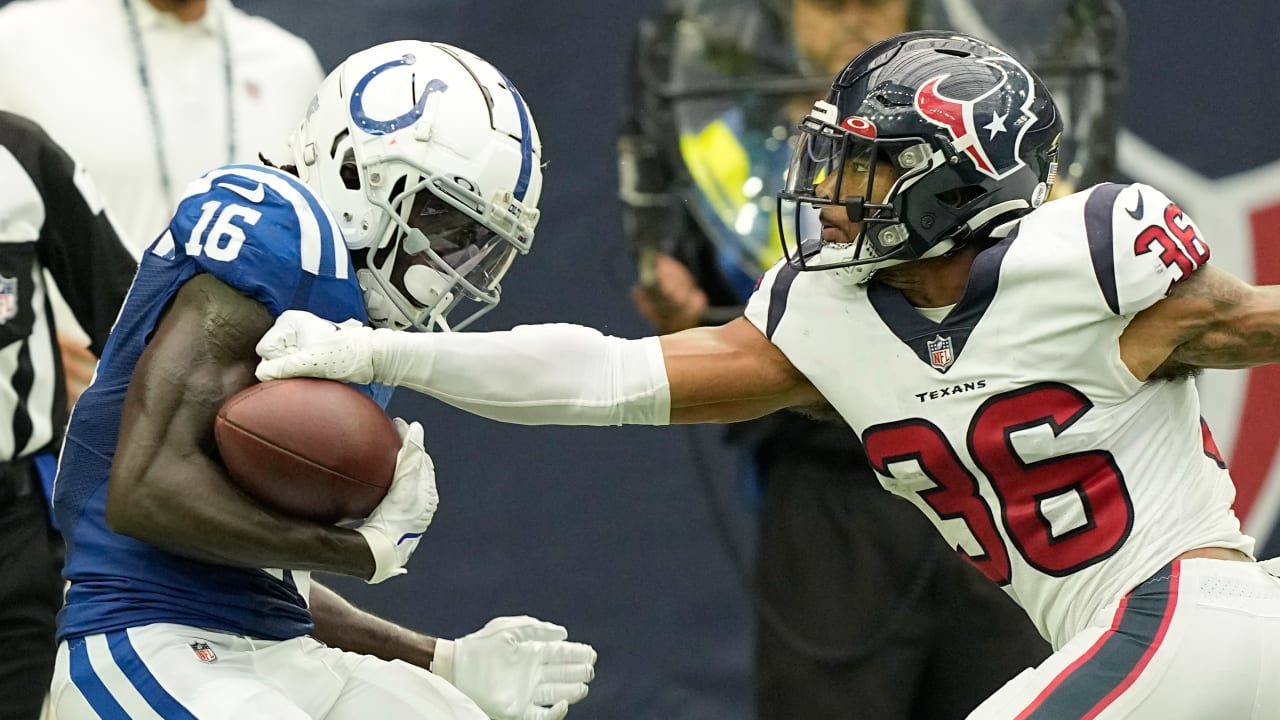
{"type": "Point", "coordinates": [90, 685]}
{"type": "Point", "coordinates": [1098, 677]}
{"type": "Point", "coordinates": [156, 696]}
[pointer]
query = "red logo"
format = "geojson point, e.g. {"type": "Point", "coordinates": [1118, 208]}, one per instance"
{"type": "Point", "coordinates": [989, 127]}
{"type": "Point", "coordinates": [859, 126]}
{"type": "Point", "coordinates": [940, 352]}
{"type": "Point", "coordinates": [203, 652]}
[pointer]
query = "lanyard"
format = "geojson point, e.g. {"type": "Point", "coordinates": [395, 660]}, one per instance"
{"type": "Point", "coordinates": [144, 77]}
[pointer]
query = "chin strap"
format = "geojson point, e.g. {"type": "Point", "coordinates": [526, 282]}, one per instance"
{"type": "Point", "coordinates": [382, 312]}
{"type": "Point", "coordinates": [424, 288]}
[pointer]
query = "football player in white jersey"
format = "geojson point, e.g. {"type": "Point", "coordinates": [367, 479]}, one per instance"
{"type": "Point", "coordinates": [1019, 370]}
{"type": "Point", "coordinates": [416, 183]}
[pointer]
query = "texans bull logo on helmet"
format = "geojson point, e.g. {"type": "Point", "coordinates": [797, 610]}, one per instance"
{"type": "Point", "coordinates": [980, 126]}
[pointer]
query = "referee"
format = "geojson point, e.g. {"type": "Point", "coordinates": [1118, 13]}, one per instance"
{"type": "Point", "coordinates": [50, 219]}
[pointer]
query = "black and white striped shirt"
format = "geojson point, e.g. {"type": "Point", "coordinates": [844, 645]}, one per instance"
{"type": "Point", "coordinates": [50, 219]}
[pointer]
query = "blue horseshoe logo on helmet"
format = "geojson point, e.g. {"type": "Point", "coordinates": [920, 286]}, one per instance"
{"type": "Point", "coordinates": [382, 127]}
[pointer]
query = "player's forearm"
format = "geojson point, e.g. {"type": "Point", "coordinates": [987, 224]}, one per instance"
{"type": "Point", "coordinates": [340, 624]}
{"type": "Point", "coordinates": [190, 508]}
{"type": "Point", "coordinates": [166, 486]}
{"type": "Point", "coordinates": [1210, 320]}
{"type": "Point", "coordinates": [532, 375]}
{"type": "Point", "coordinates": [1247, 336]}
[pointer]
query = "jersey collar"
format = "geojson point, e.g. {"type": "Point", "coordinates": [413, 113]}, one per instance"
{"type": "Point", "coordinates": [939, 344]}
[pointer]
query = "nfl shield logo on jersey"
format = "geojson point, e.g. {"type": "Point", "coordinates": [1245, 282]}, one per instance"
{"type": "Point", "coordinates": [203, 652]}
{"type": "Point", "coordinates": [8, 298]}
{"type": "Point", "coordinates": [940, 355]}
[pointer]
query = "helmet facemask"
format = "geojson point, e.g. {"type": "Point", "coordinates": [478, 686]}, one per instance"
{"type": "Point", "coordinates": [443, 246]}
{"type": "Point", "coordinates": [971, 134]}
{"type": "Point", "coordinates": [835, 167]}
{"type": "Point", "coordinates": [430, 163]}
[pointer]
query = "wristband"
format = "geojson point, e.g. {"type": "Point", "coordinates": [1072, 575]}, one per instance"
{"type": "Point", "coordinates": [442, 663]}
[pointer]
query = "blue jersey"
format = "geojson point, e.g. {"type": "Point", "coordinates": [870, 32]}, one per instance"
{"type": "Point", "coordinates": [264, 233]}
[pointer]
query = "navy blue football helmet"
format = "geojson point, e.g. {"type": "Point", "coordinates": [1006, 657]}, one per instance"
{"type": "Point", "coordinates": [971, 136]}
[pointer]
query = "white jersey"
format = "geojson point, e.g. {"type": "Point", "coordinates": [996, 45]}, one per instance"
{"type": "Point", "coordinates": [1013, 424]}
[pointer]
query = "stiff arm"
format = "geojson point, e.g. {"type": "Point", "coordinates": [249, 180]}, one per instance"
{"type": "Point", "coordinates": [553, 374]}
{"type": "Point", "coordinates": [731, 373]}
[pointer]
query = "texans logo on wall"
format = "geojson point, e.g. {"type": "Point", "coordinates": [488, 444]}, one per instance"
{"type": "Point", "coordinates": [1239, 215]}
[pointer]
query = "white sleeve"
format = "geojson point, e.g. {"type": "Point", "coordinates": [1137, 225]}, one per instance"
{"type": "Point", "coordinates": [533, 374]}
{"type": "Point", "coordinates": [763, 308]}
{"type": "Point", "coordinates": [1142, 245]}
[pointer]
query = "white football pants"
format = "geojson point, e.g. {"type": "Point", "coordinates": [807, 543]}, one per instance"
{"type": "Point", "coordinates": [176, 672]}
{"type": "Point", "coordinates": [1200, 640]}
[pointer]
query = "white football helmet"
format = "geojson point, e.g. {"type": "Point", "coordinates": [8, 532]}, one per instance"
{"type": "Point", "coordinates": [429, 160]}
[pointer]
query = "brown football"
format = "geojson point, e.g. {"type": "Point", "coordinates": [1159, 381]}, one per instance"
{"type": "Point", "coordinates": [316, 449]}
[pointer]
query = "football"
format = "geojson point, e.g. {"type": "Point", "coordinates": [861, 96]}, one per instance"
{"type": "Point", "coordinates": [315, 449]}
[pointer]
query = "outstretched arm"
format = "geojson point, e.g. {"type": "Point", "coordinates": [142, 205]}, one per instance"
{"type": "Point", "coordinates": [730, 373]}
{"type": "Point", "coordinates": [1210, 320]}
{"type": "Point", "coordinates": [553, 374]}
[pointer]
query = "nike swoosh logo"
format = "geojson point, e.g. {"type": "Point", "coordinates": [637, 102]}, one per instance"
{"type": "Point", "coordinates": [1136, 213]}
{"type": "Point", "coordinates": [256, 195]}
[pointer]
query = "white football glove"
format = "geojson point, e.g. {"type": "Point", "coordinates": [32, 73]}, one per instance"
{"type": "Point", "coordinates": [518, 668]}
{"type": "Point", "coordinates": [302, 344]}
{"type": "Point", "coordinates": [394, 528]}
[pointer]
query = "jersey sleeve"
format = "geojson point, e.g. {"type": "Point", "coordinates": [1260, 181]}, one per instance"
{"type": "Point", "coordinates": [1141, 244]}
{"type": "Point", "coordinates": [263, 233]}
{"type": "Point", "coordinates": [768, 302]}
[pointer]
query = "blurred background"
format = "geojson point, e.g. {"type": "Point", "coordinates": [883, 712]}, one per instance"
{"type": "Point", "coordinates": [636, 539]}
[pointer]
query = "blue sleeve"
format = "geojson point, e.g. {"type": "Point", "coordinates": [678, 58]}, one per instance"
{"type": "Point", "coordinates": [265, 234]}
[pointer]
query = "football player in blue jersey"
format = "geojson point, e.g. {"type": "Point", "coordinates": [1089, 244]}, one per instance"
{"type": "Point", "coordinates": [415, 182]}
